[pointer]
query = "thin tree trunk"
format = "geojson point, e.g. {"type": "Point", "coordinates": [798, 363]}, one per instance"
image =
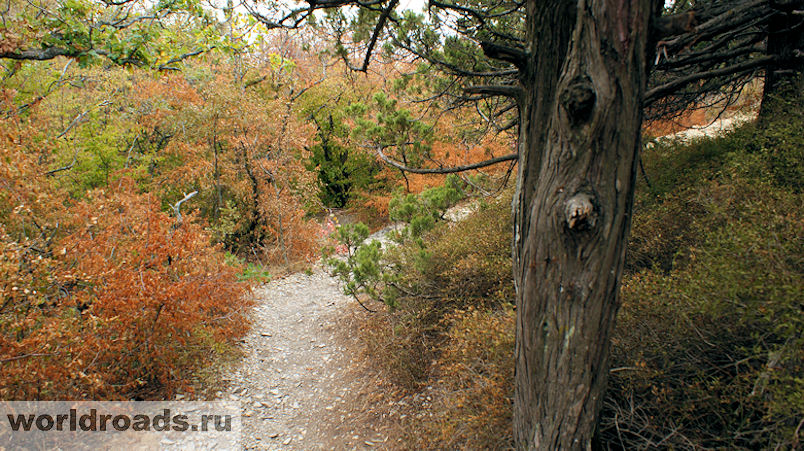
{"type": "Point", "coordinates": [257, 220]}
{"type": "Point", "coordinates": [580, 116]}
{"type": "Point", "coordinates": [216, 170]}
{"type": "Point", "coordinates": [277, 193]}
{"type": "Point", "coordinates": [218, 194]}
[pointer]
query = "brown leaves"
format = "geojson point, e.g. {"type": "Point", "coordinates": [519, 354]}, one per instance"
{"type": "Point", "coordinates": [132, 305]}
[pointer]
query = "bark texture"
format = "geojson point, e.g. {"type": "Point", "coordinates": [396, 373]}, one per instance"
{"type": "Point", "coordinates": [786, 42]}
{"type": "Point", "coordinates": [579, 137]}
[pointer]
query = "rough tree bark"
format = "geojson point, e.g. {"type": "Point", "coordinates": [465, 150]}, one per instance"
{"type": "Point", "coordinates": [580, 117]}
{"type": "Point", "coordinates": [785, 40]}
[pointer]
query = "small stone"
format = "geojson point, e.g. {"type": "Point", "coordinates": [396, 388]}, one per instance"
{"type": "Point", "coordinates": [266, 334]}
{"type": "Point", "coordinates": [274, 435]}
{"type": "Point", "coordinates": [368, 443]}
{"type": "Point", "coordinates": [287, 441]}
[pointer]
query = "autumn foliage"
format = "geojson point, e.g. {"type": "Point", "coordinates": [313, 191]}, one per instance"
{"type": "Point", "coordinates": [105, 292]}
{"type": "Point", "coordinates": [118, 301]}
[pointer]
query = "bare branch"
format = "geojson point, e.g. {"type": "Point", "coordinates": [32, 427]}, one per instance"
{"type": "Point", "coordinates": [63, 168]}
{"type": "Point", "coordinates": [177, 206]}
{"type": "Point", "coordinates": [517, 56]}
{"type": "Point", "coordinates": [668, 88]}
{"type": "Point", "coordinates": [505, 91]}
{"type": "Point", "coordinates": [166, 66]}
{"type": "Point", "coordinates": [38, 55]}
{"type": "Point", "coordinates": [450, 170]}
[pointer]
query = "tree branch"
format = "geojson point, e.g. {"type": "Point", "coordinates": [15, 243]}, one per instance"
{"type": "Point", "coordinates": [375, 35]}
{"type": "Point", "coordinates": [517, 56]}
{"type": "Point", "coordinates": [451, 170]}
{"type": "Point", "coordinates": [177, 206]}
{"type": "Point", "coordinates": [500, 90]}
{"type": "Point", "coordinates": [166, 65]}
{"type": "Point", "coordinates": [670, 87]}
{"type": "Point", "coordinates": [38, 55]}
{"type": "Point", "coordinates": [452, 68]}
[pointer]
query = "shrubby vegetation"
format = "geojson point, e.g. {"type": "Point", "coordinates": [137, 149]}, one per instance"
{"type": "Point", "coordinates": [708, 347]}
{"type": "Point", "coordinates": [368, 269]}
{"type": "Point", "coordinates": [110, 297]}
{"type": "Point", "coordinates": [439, 266]}
{"type": "Point", "coordinates": [106, 294]}
{"type": "Point", "coordinates": [103, 289]}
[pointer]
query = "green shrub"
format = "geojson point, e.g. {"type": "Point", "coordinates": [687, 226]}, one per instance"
{"type": "Point", "coordinates": [362, 270]}
{"type": "Point", "coordinates": [712, 353]}
{"type": "Point", "coordinates": [420, 212]}
{"type": "Point", "coordinates": [340, 170]}
{"type": "Point", "coordinates": [708, 347]}
{"type": "Point", "coordinates": [459, 265]}
{"type": "Point", "coordinates": [251, 272]}
{"type": "Point", "coordinates": [464, 264]}
{"type": "Point", "coordinates": [365, 269]}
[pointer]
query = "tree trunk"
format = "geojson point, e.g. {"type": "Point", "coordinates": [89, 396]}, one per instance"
{"type": "Point", "coordinates": [580, 116]}
{"type": "Point", "coordinates": [786, 41]}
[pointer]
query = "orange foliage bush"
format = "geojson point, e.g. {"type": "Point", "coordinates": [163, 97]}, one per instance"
{"type": "Point", "coordinates": [450, 150]}
{"type": "Point", "coordinates": [242, 148]}
{"type": "Point", "coordinates": [116, 301]}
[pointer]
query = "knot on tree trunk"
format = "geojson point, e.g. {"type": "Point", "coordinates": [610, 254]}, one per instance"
{"type": "Point", "coordinates": [578, 99]}
{"type": "Point", "coordinates": [580, 212]}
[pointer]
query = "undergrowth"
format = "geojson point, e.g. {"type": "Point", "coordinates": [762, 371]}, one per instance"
{"type": "Point", "coordinates": [707, 352]}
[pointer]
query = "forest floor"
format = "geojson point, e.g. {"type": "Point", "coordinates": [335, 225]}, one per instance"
{"type": "Point", "coordinates": [304, 382]}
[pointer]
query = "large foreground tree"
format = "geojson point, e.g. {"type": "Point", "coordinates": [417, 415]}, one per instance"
{"type": "Point", "coordinates": [579, 77]}
{"type": "Point", "coordinates": [583, 77]}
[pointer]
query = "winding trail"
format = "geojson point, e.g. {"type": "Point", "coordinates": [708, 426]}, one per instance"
{"type": "Point", "coordinates": [302, 383]}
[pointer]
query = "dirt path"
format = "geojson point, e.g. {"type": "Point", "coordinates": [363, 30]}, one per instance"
{"type": "Point", "coordinates": [302, 384]}
{"type": "Point", "coordinates": [717, 127]}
